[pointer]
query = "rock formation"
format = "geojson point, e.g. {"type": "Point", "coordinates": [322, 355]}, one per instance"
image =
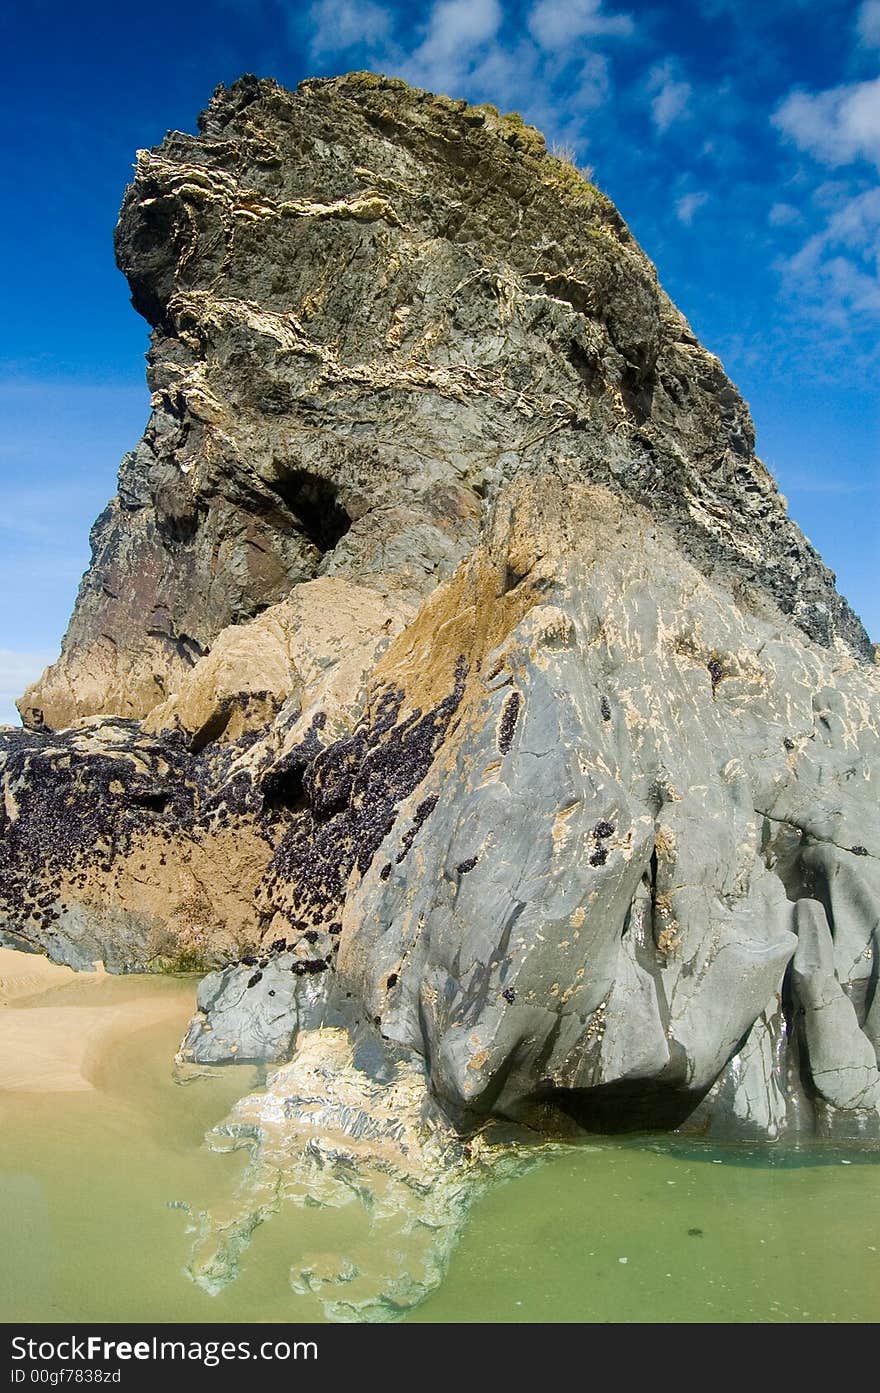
{"type": "Point", "coordinates": [449, 673]}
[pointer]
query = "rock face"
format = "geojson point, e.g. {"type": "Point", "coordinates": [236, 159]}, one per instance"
{"type": "Point", "coordinates": [449, 673]}
{"type": "Point", "coordinates": [370, 307]}
{"type": "Point", "coordinates": [115, 846]}
{"type": "Point", "coordinates": [651, 805]}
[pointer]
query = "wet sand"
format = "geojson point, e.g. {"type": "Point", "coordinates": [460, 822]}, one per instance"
{"type": "Point", "coordinates": [57, 1026]}
{"type": "Point", "coordinates": [24, 975]}
{"type": "Point", "coordinates": [97, 1136]}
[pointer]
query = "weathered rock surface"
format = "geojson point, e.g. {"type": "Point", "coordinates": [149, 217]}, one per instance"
{"type": "Point", "coordinates": [370, 306]}
{"type": "Point", "coordinates": [313, 650]}
{"type": "Point", "coordinates": [643, 781]}
{"type": "Point", "coordinates": [115, 845]}
{"type": "Point", "coordinates": [251, 1013]}
{"type": "Point", "coordinates": [449, 673]}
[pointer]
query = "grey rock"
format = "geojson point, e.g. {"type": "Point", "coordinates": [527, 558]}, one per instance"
{"type": "Point", "coordinates": [629, 904]}
{"type": "Point", "coordinates": [594, 834]}
{"type": "Point", "coordinates": [842, 1060]}
{"type": "Point", "coordinates": [247, 1015]}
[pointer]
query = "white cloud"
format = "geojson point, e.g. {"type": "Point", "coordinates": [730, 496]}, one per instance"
{"type": "Point", "coordinates": [504, 76]}
{"type": "Point", "coordinates": [456, 28]}
{"type": "Point", "coordinates": [594, 83]}
{"type": "Point", "coordinates": [17, 671]}
{"type": "Point", "coordinates": [837, 270]}
{"type": "Point", "coordinates": [557, 23]}
{"type": "Point", "coordinates": [868, 24]}
{"type": "Point", "coordinates": [457, 31]}
{"type": "Point", "coordinates": [783, 215]}
{"type": "Point", "coordinates": [341, 25]}
{"type": "Point", "coordinates": [838, 126]}
{"type": "Point", "coordinates": [688, 205]}
{"type": "Point", "coordinates": [671, 96]}
{"type": "Point", "coordinates": [856, 223]}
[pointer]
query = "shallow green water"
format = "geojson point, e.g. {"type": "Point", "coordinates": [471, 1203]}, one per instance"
{"type": "Point", "coordinates": [642, 1230]}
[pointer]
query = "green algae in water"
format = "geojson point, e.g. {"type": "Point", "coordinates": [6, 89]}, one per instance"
{"type": "Point", "coordinates": [647, 1229]}
{"type": "Point", "coordinates": [674, 1232]}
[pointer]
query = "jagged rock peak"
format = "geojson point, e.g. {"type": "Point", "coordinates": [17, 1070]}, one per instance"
{"type": "Point", "coordinates": [372, 306]}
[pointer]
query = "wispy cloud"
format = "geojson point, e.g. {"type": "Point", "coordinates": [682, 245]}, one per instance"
{"type": "Point", "coordinates": [839, 266]}
{"type": "Point", "coordinates": [868, 24]}
{"type": "Point", "coordinates": [338, 26]}
{"type": "Point", "coordinates": [836, 272]}
{"type": "Point", "coordinates": [556, 23]}
{"type": "Point", "coordinates": [783, 215]}
{"type": "Point", "coordinates": [458, 35]}
{"type": "Point", "coordinates": [454, 25]}
{"type": "Point", "coordinates": [592, 84]}
{"type": "Point", "coordinates": [688, 206]}
{"type": "Point", "coordinates": [671, 95]}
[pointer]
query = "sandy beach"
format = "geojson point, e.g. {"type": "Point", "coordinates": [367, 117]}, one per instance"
{"type": "Point", "coordinates": [57, 1025]}
{"type": "Point", "coordinates": [24, 975]}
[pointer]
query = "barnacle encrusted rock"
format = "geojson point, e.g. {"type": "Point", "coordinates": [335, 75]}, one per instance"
{"type": "Point", "coordinates": [115, 846]}
{"type": "Point", "coordinates": [449, 674]}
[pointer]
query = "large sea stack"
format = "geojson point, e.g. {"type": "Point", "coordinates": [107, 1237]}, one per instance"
{"type": "Point", "coordinates": [449, 676]}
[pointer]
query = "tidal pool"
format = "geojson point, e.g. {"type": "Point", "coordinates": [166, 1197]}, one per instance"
{"type": "Point", "coordinates": [102, 1150]}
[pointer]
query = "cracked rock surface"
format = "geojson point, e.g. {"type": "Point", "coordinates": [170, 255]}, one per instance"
{"type": "Point", "coordinates": [371, 306]}
{"type": "Point", "coordinates": [449, 672]}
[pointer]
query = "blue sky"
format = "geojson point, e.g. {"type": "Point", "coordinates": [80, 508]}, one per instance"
{"type": "Point", "coordinates": [740, 141]}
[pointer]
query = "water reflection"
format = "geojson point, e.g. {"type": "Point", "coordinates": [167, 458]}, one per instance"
{"type": "Point", "coordinates": [326, 1134]}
